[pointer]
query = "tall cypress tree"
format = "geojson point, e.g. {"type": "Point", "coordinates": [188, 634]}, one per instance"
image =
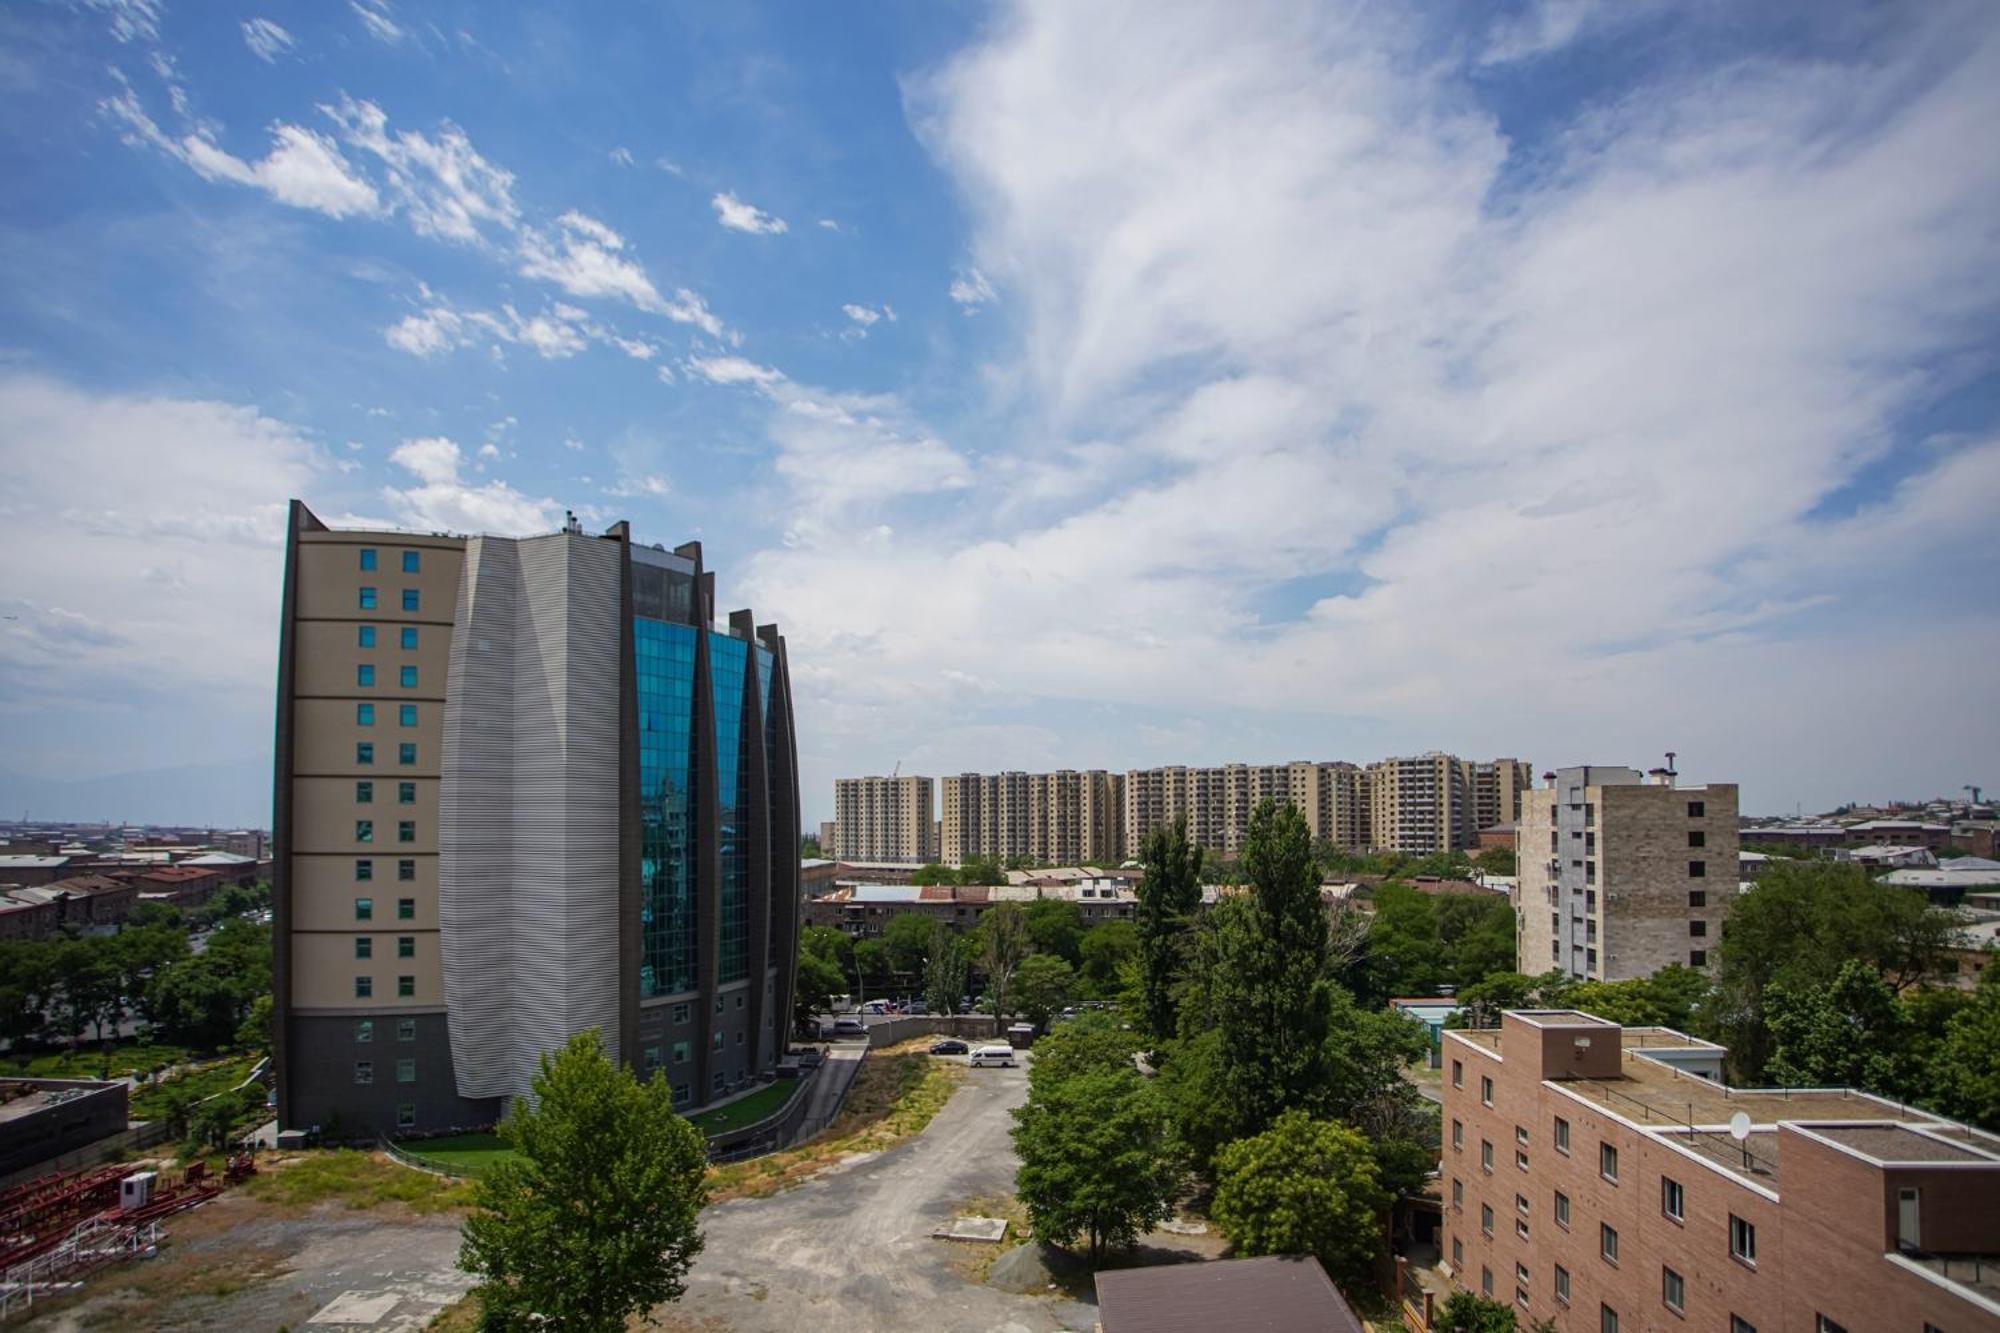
{"type": "Point", "coordinates": [1169, 896]}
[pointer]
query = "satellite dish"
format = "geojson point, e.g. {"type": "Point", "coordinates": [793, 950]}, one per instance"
{"type": "Point", "coordinates": [1739, 1126]}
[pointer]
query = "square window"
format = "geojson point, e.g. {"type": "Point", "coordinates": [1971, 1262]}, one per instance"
{"type": "Point", "coordinates": [406, 946]}
{"type": "Point", "coordinates": [364, 715]}
{"type": "Point", "coordinates": [406, 909]}
{"type": "Point", "coordinates": [406, 987]}
{"type": "Point", "coordinates": [364, 909]}
{"type": "Point", "coordinates": [1562, 1284]}
{"type": "Point", "coordinates": [406, 752]}
{"type": "Point", "coordinates": [1672, 1290]}
{"type": "Point", "coordinates": [1607, 1242]}
{"type": "Point", "coordinates": [1696, 838]}
{"type": "Point", "coordinates": [364, 676]}
{"type": "Point", "coordinates": [411, 562]}
{"type": "Point", "coordinates": [1562, 1210]}
{"type": "Point", "coordinates": [364, 987]}
{"type": "Point", "coordinates": [406, 870]}
{"type": "Point", "coordinates": [364, 1071]}
{"type": "Point", "coordinates": [1742, 1240]}
{"type": "Point", "coordinates": [1607, 1162]}
{"type": "Point", "coordinates": [364, 946]}
{"type": "Point", "coordinates": [364, 869]}
{"type": "Point", "coordinates": [1607, 1319]}
{"type": "Point", "coordinates": [406, 715]}
{"type": "Point", "coordinates": [406, 1071]}
{"type": "Point", "coordinates": [367, 557]}
{"type": "Point", "coordinates": [407, 677]}
{"type": "Point", "coordinates": [367, 599]}
{"type": "Point", "coordinates": [1697, 870]}
{"type": "Point", "coordinates": [1457, 1135]}
{"type": "Point", "coordinates": [364, 1029]}
{"type": "Point", "coordinates": [1485, 1090]}
{"type": "Point", "coordinates": [1458, 1073]}
{"type": "Point", "coordinates": [680, 1014]}
{"type": "Point", "coordinates": [364, 752]}
{"type": "Point", "coordinates": [406, 1029]}
{"type": "Point", "coordinates": [1562, 1136]}
{"type": "Point", "coordinates": [1697, 897]}
{"type": "Point", "coordinates": [407, 636]}
{"type": "Point", "coordinates": [1672, 1201]}
{"type": "Point", "coordinates": [409, 599]}
{"type": "Point", "coordinates": [406, 830]}
{"type": "Point", "coordinates": [406, 1115]}
{"type": "Point", "coordinates": [364, 636]}
{"type": "Point", "coordinates": [1486, 1218]}
{"type": "Point", "coordinates": [364, 830]}
{"type": "Point", "coordinates": [1696, 810]}
{"type": "Point", "coordinates": [364, 793]}
{"type": "Point", "coordinates": [1698, 930]}
{"type": "Point", "coordinates": [406, 793]}
{"type": "Point", "coordinates": [1697, 958]}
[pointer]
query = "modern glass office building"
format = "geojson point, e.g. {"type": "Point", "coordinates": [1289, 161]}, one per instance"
{"type": "Point", "coordinates": [595, 823]}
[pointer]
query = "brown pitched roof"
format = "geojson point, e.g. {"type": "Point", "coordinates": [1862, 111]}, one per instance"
{"type": "Point", "coordinates": [1277, 1294]}
{"type": "Point", "coordinates": [85, 885]}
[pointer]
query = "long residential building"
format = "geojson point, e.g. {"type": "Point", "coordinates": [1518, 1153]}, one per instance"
{"type": "Point", "coordinates": [1061, 818]}
{"type": "Point", "coordinates": [524, 788]}
{"type": "Point", "coordinates": [1605, 1179]}
{"type": "Point", "coordinates": [884, 819]}
{"type": "Point", "coordinates": [1620, 873]}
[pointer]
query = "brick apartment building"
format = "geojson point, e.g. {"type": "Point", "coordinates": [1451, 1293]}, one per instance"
{"type": "Point", "coordinates": [1590, 1177]}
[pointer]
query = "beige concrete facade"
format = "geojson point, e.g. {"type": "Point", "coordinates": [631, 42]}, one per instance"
{"type": "Point", "coordinates": [1497, 786]}
{"type": "Point", "coordinates": [1620, 873]}
{"type": "Point", "coordinates": [885, 819]}
{"type": "Point", "coordinates": [1422, 804]}
{"type": "Point", "coordinates": [1063, 818]}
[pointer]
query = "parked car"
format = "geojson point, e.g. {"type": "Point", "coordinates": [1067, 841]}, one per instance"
{"type": "Point", "coordinates": [879, 1008]}
{"type": "Point", "coordinates": [992, 1055]}
{"type": "Point", "coordinates": [949, 1046]}
{"type": "Point", "coordinates": [849, 1027]}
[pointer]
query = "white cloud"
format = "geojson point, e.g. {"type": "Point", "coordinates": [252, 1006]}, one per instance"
{"type": "Point", "coordinates": [586, 258]}
{"type": "Point", "coordinates": [267, 40]}
{"type": "Point", "coordinates": [374, 16]}
{"type": "Point", "coordinates": [971, 290]}
{"type": "Point", "coordinates": [650, 486]}
{"type": "Point", "coordinates": [440, 500]}
{"type": "Point", "coordinates": [732, 370]}
{"type": "Point", "coordinates": [830, 224]}
{"type": "Point", "coordinates": [737, 215]}
{"type": "Point", "coordinates": [131, 20]}
{"type": "Point", "coordinates": [669, 166]}
{"type": "Point", "coordinates": [445, 187]}
{"type": "Point", "coordinates": [427, 333]}
{"type": "Point", "coordinates": [1543, 26]}
{"type": "Point", "coordinates": [621, 156]}
{"type": "Point", "coordinates": [557, 332]}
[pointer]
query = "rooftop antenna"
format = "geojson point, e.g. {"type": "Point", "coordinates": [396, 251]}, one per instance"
{"type": "Point", "coordinates": [1739, 1129]}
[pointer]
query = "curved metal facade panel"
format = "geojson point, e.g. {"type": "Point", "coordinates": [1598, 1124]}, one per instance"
{"type": "Point", "coordinates": [529, 810]}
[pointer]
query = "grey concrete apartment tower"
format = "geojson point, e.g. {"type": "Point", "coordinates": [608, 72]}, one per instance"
{"type": "Point", "coordinates": [524, 788]}
{"type": "Point", "coordinates": [1621, 873]}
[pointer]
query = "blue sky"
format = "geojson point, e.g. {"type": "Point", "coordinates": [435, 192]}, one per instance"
{"type": "Point", "coordinates": [1077, 385]}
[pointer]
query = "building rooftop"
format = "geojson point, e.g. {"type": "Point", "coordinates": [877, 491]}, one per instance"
{"type": "Point", "coordinates": [19, 862]}
{"type": "Point", "coordinates": [1275, 1294]}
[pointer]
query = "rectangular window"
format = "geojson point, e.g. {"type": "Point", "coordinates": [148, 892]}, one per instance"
{"type": "Point", "coordinates": [1562, 1136]}
{"type": "Point", "coordinates": [406, 987]}
{"type": "Point", "coordinates": [406, 830]}
{"type": "Point", "coordinates": [1696, 838]}
{"type": "Point", "coordinates": [1821, 1324]}
{"type": "Point", "coordinates": [364, 676]}
{"type": "Point", "coordinates": [364, 715]}
{"type": "Point", "coordinates": [364, 793]}
{"type": "Point", "coordinates": [1607, 1162]}
{"type": "Point", "coordinates": [364, 1029]}
{"type": "Point", "coordinates": [1486, 1154]}
{"type": "Point", "coordinates": [364, 636]}
{"type": "Point", "coordinates": [367, 558]}
{"type": "Point", "coordinates": [717, 1044]}
{"type": "Point", "coordinates": [1486, 1281]}
{"type": "Point", "coordinates": [1486, 1218]}
{"type": "Point", "coordinates": [1697, 897]}
{"type": "Point", "coordinates": [1562, 1210]}
{"type": "Point", "coordinates": [409, 599]}
{"type": "Point", "coordinates": [364, 752]}
{"type": "Point", "coordinates": [1742, 1240]}
{"type": "Point", "coordinates": [1672, 1201]}
{"type": "Point", "coordinates": [1458, 1073]}
{"type": "Point", "coordinates": [406, 793]}
{"type": "Point", "coordinates": [1607, 1242]}
{"type": "Point", "coordinates": [364, 1071]}
{"type": "Point", "coordinates": [406, 909]}
{"type": "Point", "coordinates": [406, 1029]}
{"type": "Point", "coordinates": [406, 677]}
{"type": "Point", "coordinates": [406, 946]}
{"type": "Point", "coordinates": [1738, 1324]}
{"type": "Point", "coordinates": [1485, 1090]}
{"type": "Point", "coordinates": [406, 1115]}
{"type": "Point", "coordinates": [1521, 1134]}
{"type": "Point", "coordinates": [1673, 1291]}
{"type": "Point", "coordinates": [364, 869]}
{"type": "Point", "coordinates": [367, 599]}
{"type": "Point", "coordinates": [1607, 1319]}
{"type": "Point", "coordinates": [1697, 870]}
{"type": "Point", "coordinates": [364, 987]}
{"type": "Point", "coordinates": [652, 1059]}
{"type": "Point", "coordinates": [364, 946]}
{"type": "Point", "coordinates": [683, 1051]}
{"type": "Point", "coordinates": [1521, 1204]}
{"type": "Point", "coordinates": [1457, 1135]}
{"type": "Point", "coordinates": [1697, 958]}
{"type": "Point", "coordinates": [1458, 1194]}
{"type": "Point", "coordinates": [407, 636]}
{"type": "Point", "coordinates": [364, 830]}
{"type": "Point", "coordinates": [364, 909]}
{"type": "Point", "coordinates": [680, 1014]}
{"type": "Point", "coordinates": [1562, 1284]}
{"type": "Point", "coordinates": [406, 1071]}
{"type": "Point", "coordinates": [406, 753]}
{"type": "Point", "coordinates": [406, 870]}
{"type": "Point", "coordinates": [1696, 810]}
{"type": "Point", "coordinates": [411, 562]}
{"type": "Point", "coordinates": [1698, 930]}
{"type": "Point", "coordinates": [1520, 1272]}
{"type": "Point", "coordinates": [1520, 1159]}
{"type": "Point", "coordinates": [406, 715]}
{"type": "Point", "coordinates": [1457, 1253]}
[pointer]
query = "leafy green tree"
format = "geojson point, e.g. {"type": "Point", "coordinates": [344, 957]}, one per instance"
{"type": "Point", "coordinates": [1169, 897]}
{"type": "Point", "coordinates": [1467, 1313]}
{"type": "Point", "coordinates": [1847, 1032]}
{"type": "Point", "coordinates": [835, 946]}
{"type": "Point", "coordinates": [255, 1031]}
{"type": "Point", "coordinates": [1055, 926]}
{"type": "Point", "coordinates": [1304, 1186]}
{"type": "Point", "coordinates": [1097, 1157]}
{"type": "Point", "coordinates": [1108, 949]}
{"type": "Point", "coordinates": [907, 937]}
{"type": "Point", "coordinates": [1496, 861]}
{"type": "Point", "coordinates": [1043, 986]}
{"type": "Point", "coordinates": [595, 1217]}
{"type": "Point", "coordinates": [1002, 942]}
{"type": "Point", "coordinates": [1965, 1068]}
{"type": "Point", "coordinates": [945, 970]}
{"type": "Point", "coordinates": [935, 873]}
{"type": "Point", "coordinates": [1404, 954]}
{"type": "Point", "coordinates": [982, 870]}
{"type": "Point", "coordinates": [809, 849]}
{"type": "Point", "coordinates": [871, 959]}
{"type": "Point", "coordinates": [819, 980]}
{"type": "Point", "coordinates": [1093, 1040]}
{"type": "Point", "coordinates": [27, 981]}
{"type": "Point", "coordinates": [1476, 935]}
{"type": "Point", "coordinates": [89, 987]}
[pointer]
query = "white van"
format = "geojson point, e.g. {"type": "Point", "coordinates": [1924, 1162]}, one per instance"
{"type": "Point", "coordinates": [991, 1055]}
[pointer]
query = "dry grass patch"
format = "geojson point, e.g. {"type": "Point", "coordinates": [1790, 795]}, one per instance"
{"type": "Point", "coordinates": [356, 1179]}
{"type": "Point", "coordinates": [974, 1259]}
{"type": "Point", "coordinates": [896, 1092]}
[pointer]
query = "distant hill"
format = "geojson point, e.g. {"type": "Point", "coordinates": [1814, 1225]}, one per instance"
{"type": "Point", "coordinates": [233, 793]}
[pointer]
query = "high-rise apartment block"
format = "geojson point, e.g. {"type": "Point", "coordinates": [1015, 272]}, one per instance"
{"type": "Point", "coordinates": [1496, 792]}
{"type": "Point", "coordinates": [524, 788]}
{"type": "Point", "coordinates": [1063, 818]}
{"type": "Point", "coordinates": [885, 819]}
{"type": "Point", "coordinates": [1217, 802]}
{"type": "Point", "coordinates": [1422, 804]}
{"type": "Point", "coordinates": [1623, 872]}
{"type": "Point", "coordinates": [1604, 1178]}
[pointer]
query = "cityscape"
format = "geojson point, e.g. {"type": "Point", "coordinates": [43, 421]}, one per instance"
{"type": "Point", "coordinates": [758, 670]}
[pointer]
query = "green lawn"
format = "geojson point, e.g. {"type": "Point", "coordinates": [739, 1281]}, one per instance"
{"type": "Point", "coordinates": [153, 1100]}
{"type": "Point", "coordinates": [468, 1153]}
{"type": "Point", "coordinates": [766, 1101]}
{"type": "Point", "coordinates": [90, 1061]}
